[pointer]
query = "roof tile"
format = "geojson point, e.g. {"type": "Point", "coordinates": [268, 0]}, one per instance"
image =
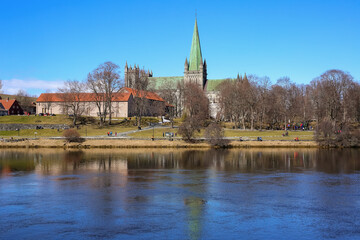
{"type": "Point", "coordinates": [7, 103]}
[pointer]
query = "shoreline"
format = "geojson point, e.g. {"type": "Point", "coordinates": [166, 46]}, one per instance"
{"type": "Point", "coordinates": [132, 143]}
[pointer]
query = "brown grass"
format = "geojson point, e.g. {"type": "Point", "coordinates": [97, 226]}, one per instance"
{"type": "Point", "coordinates": [126, 143]}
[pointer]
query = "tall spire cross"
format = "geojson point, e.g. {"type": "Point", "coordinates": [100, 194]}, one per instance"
{"type": "Point", "coordinates": [195, 53]}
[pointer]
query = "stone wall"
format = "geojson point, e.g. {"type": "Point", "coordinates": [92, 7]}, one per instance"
{"type": "Point", "coordinates": [14, 126]}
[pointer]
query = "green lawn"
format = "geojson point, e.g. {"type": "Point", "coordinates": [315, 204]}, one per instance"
{"type": "Point", "coordinates": [266, 135]}
{"type": "Point", "coordinates": [31, 133]}
{"type": "Point", "coordinates": [97, 131]}
{"type": "Point", "coordinates": [84, 131]}
{"type": "Point", "coordinates": [149, 133]}
{"type": "Point", "coordinates": [270, 135]}
{"type": "Point", "coordinates": [119, 126]}
{"type": "Point", "coordinates": [58, 119]}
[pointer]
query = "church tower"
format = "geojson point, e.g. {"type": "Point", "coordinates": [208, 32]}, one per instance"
{"type": "Point", "coordinates": [133, 74]}
{"type": "Point", "coordinates": [195, 68]}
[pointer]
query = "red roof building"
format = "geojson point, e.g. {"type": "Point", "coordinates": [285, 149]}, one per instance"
{"type": "Point", "coordinates": [123, 103]}
{"type": "Point", "coordinates": [11, 106]}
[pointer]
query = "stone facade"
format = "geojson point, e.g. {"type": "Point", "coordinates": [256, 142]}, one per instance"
{"type": "Point", "coordinates": [196, 76]}
{"type": "Point", "coordinates": [120, 109]}
{"type": "Point", "coordinates": [133, 74]}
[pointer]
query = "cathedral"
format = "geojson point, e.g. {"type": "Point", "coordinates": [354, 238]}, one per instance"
{"type": "Point", "coordinates": [195, 70]}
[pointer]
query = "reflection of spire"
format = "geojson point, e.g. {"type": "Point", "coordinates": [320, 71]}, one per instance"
{"type": "Point", "coordinates": [196, 206]}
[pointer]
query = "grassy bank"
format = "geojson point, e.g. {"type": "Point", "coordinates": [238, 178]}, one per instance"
{"type": "Point", "coordinates": [270, 134]}
{"type": "Point", "coordinates": [126, 143]}
{"type": "Point", "coordinates": [59, 119]}
{"type": "Point", "coordinates": [246, 134]}
{"type": "Point", "coordinates": [90, 130]}
{"type": "Point", "coordinates": [120, 125]}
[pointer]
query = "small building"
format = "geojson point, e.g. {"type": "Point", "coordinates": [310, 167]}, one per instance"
{"type": "Point", "coordinates": [11, 106]}
{"type": "Point", "coordinates": [124, 103]}
{"type": "Point", "coordinates": [3, 111]}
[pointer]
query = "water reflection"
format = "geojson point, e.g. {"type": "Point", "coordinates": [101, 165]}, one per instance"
{"type": "Point", "coordinates": [180, 194]}
{"type": "Point", "coordinates": [246, 161]}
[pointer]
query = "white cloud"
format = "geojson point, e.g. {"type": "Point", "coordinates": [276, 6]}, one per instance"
{"type": "Point", "coordinates": [32, 86]}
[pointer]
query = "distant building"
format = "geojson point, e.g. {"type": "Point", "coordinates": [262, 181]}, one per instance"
{"type": "Point", "coordinates": [11, 106]}
{"type": "Point", "coordinates": [132, 75]}
{"type": "Point", "coordinates": [123, 103]}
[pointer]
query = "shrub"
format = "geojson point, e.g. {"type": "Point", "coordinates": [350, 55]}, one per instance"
{"type": "Point", "coordinates": [86, 120]}
{"type": "Point", "coordinates": [214, 135]}
{"type": "Point", "coordinates": [330, 134]}
{"type": "Point", "coordinates": [187, 130]}
{"type": "Point", "coordinates": [72, 135]}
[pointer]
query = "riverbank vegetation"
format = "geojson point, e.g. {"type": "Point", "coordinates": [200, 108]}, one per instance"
{"type": "Point", "coordinates": [249, 107]}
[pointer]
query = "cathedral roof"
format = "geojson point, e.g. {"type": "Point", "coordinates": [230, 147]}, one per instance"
{"type": "Point", "coordinates": [195, 53]}
{"type": "Point", "coordinates": [158, 82]}
{"type": "Point", "coordinates": [212, 84]}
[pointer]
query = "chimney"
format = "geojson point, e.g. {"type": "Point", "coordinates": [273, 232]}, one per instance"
{"type": "Point", "coordinates": [7, 99]}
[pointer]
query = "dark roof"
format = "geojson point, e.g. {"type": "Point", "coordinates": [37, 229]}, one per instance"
{"type": "Point", "coordinates": [2, 107]}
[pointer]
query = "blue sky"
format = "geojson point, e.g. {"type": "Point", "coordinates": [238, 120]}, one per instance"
{"type": "Point", "coordinates": [43, 43]}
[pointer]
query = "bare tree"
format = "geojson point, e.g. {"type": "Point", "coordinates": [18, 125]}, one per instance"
{"type": "Point", "coordinates": [24, 100]}
{"type": "Point", "coordinates": [226, 99]}
{"type": "Point", "coordinates": [196, 106]}
{"type": "Point", "coordinates": [332, 94]}
{"type": "Point", "coordinates": [1, 85]}
{"type": "Point", "coordinates": [246, 101]}
{"type": "Point", "coordinates": [104, 82]}
{"type": "Point", "coordinates": [141, 103]}
{"type": "Point", "coordinates": [263, 90]}
{"type": "Point", "coordinates": [196, 102]}
{"type": "Point", "coordinates": [214, 134]}
{"type": "Point", "coordinates": [251, 93]}
{"type": "Point", "coordinates": [179, 107]}
{"type": "Point", "coordinates": [238, 100]}
{"type": "Point", "coordinates": [72, 94]}
{"type": "Point", "coordinates": [169, 93]}
{"type": "Point", "coordinates": [96, 87]}
{"type": "Point", "coordinates": [352, 102]}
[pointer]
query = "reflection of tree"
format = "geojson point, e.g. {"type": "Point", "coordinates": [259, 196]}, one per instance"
{"type": "Point", "coordinates": [11, 161]}
{"type": "Point", "coordinates": [247, 161]}
{"type": "Point", "coordinates": [74, 158]}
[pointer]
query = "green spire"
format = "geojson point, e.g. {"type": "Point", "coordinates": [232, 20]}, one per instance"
{"type": "Point", "coordinates": [195, 54]}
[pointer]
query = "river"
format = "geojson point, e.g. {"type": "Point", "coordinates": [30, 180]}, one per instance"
{"type": "Point", "coordinates": [180, 194]}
